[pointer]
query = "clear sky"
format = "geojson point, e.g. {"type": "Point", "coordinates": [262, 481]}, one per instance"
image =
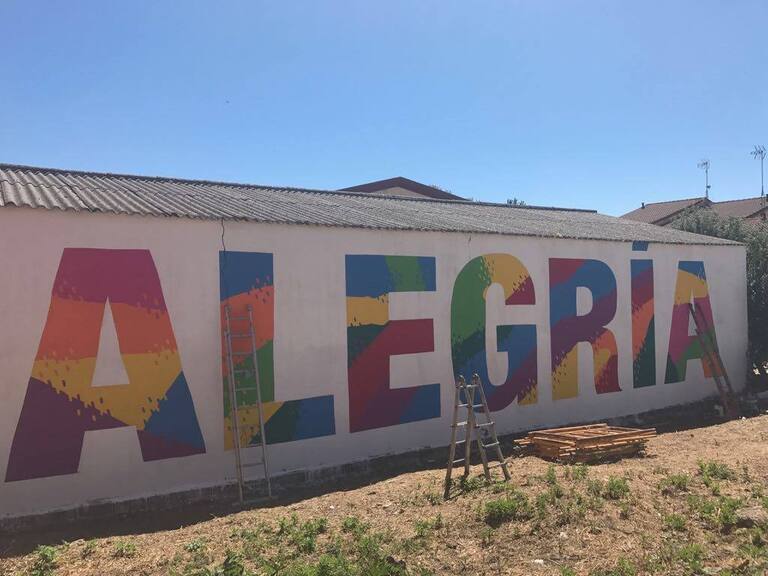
{"type": "Point", "coordinates": [595, 104]}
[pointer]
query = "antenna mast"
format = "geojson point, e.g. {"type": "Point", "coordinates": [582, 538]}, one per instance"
{"type": "Point", "coordinates": [704, 165]}
{"type": "Point", "coordinates": [759, 152]}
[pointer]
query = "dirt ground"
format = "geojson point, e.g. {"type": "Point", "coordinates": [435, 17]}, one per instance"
{"type": "Point", "coordinates": [676, 510]}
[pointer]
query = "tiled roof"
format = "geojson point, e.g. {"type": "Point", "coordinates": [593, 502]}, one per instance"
{"type": "Point", "coordinates": [408, 184]}
{"type": "Point", "coordinates": [743, 208]}
{"type": "Point", "coordinates": [87, 191]}
{"type": "Point", "coordinates": [663, 212]}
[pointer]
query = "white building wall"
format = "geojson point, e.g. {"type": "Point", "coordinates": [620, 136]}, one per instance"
{"type": "Point", "coordinates": [310, 339]}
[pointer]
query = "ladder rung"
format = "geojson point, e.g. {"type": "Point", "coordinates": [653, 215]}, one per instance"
{"type": "Point", "coordinates": [491, 445]}
{"type": "Point", "coordinates": [239, 335]}
{"type": "Point", "coordinates": [460, 424]}
{"type": "Point", "coordinates": [242, 353]}
{"type": "Point", "coordinates": [239, 318]}
{"type": "Point", "coordinates": [473, 406]}
{"type": "Point", "coordinates": [484, 424]}
{"type": "Point", "coordinates": [253, 465]}
{"type": "Point", "coordinates": [243, 371]}
{"type": "Point", "coordinates": [459, 460]}
{"type": "Point", "coordinates": [496, 465]}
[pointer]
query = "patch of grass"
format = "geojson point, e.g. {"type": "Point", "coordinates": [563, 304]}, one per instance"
{"type": "Point", "coordinates": [712, 469]}
{"type": "Point", "coordinates": [231, 566]}
{"type": "Point", "coordinates": [425, 527]}
{"type": "Point", "coordinates": [616, 488]}
{"type": "Point", "coordinates": [623, 567]}
{"type": "Point", "coordinates": [674, 522]}
{"type": "Point", "coordinates": [692, 557]}
{"type": "Point", "coordinates": [89, 549]}
{"type": "Point", "coordinates": [674, 483]}
{"type": "Point", "coordinates": [434, 498]}
{"type": "Point", "coordinates": [469, 484]}
{"type": "Point", "coordinates": [580, 472]}
{"type": "Point", "coordinates": [124, 549]}
{"type": "Point", "coordinates": [625, 510]}
{"type": "Point", "coordinates": [486, 536]}
{"type": "Point", "coordinates": [305, 535]}
{"type": "Point", "coordinates": [513, 506]}
{"type": "Point", "coordinates": [551, 476]}
{"type": "Point", "coordinates": [353, 525]}
{"type": "Point", "coordinates": [595, 487]}
{"type": "Point", "coordinates": [45, 561]}
{"type": "Point", "coordinates": [566, 571]}
{"type": "Point", "coordinates": [719, 513]}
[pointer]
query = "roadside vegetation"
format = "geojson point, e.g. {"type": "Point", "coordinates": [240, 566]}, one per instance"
{"type": "Point", "coordinates": [697, 504]}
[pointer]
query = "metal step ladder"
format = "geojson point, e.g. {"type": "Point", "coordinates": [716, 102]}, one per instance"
{"type": "Point", "coordinates": [249, 337]}
{"type": "Point", "coordinates": [465, 398]}
{"type": "Point", "coordinates": [715, 362]}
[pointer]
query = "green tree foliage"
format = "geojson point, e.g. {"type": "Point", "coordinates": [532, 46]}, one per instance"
{"type": "Point", "coordinates": [755, 236]}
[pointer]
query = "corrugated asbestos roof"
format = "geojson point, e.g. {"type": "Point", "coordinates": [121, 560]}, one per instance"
{"type": "Point", "coordinates": [150, 196]}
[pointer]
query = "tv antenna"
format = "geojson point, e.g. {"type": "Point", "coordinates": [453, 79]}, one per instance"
{"type": "Point", "coordinates": [759, 152]}
{"type": "Point", "coordinates": [704, 165]}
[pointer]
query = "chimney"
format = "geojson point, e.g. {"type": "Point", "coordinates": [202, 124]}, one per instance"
{"type": "Point", "coordinates": [642, 205]}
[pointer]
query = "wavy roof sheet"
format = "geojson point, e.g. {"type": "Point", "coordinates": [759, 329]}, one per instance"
{"type": "Point", "coordinates": [47, 188]}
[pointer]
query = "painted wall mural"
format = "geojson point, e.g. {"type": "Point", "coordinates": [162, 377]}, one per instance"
{"type": "Point", "coordinates": [643, 325]}
{"type": "Point", "coordinates": [690, 287]}
{"type": "Point", "coordinates": [566, 275]}
{"type": "Point", "coordinates": [372, 338]}
{"type": "Point", "coordinates": [66, 394]}
{"type": "Point", "coordinates": [468, 326]}
{"type": "Point", "coordinates": [247, 278]}
{"type": "Point", "coordinates": [61, 404]}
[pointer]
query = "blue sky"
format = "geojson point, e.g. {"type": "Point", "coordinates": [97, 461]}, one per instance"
{"type": "Point", "coordinates": [598, 104]}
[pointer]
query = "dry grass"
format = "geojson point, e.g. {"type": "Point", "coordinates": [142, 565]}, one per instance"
{"type": "Point", "coordinates": [670, 512]}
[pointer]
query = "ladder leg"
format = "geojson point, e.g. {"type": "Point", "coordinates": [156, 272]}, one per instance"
{"type": "Point", "coordinates": [468, 429]}
{"type": "Point", "coordinates": [494, 436]}
{"type": "Point", "coordinates": [233, 405]}
{"type": "Point", "coordinates": [260, 404]}
{"type": "Point", "coordinates": [472, 425]}
{"type": "Point", "coordinates": [452, 450]}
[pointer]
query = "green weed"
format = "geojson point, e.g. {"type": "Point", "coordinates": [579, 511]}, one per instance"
{"type": "Point", "coordinates": [124, 549]}
{"type": "Point", "coordinates": [674, 483]}
{"type": "Point", "coordinates": [514, 506]}
{"type": "Point", "coordinates": [616, 488]}
{"type": "Point", "coordinates": [45, 561]}
{"type": "Point", "coordinates": [674, 522]}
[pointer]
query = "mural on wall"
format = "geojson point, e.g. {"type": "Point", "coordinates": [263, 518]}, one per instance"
{"type": "Point", "coordinates": [247, 278]}
{"type": "Point", "coordinates": [643, 329]}
{"type": "Point", "coordinates": [468, 325]}
{"type": "Point", "coordinates": [372, 338]}
{"type": "Point", "coordinates": [567, 328]}
{"type": "Point", "coordinates": [61, 404]}
{"type": "Point", "coordinates": [691, 287]}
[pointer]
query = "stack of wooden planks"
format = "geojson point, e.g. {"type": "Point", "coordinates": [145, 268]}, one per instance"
{"type": "Point", "coordinates": [586, 443]}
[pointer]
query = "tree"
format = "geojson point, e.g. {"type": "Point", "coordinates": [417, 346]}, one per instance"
{"type": "Point", "coordinates": [755, 236]}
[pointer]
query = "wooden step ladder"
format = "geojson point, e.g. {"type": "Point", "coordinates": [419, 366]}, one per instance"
{"type": "Point", "coordinates": [250, 337]}
{"type": "Point", "coordinates": [464, 397]}
{"type": "Point", "coordinates": [715, 362]}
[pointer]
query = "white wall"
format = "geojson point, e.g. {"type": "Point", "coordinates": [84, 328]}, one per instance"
{"type": "Point", "coordinates": [311, 337]}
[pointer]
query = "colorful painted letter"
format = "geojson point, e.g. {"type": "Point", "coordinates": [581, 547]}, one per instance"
{"type": "Point", "coordinates": [568, 329]}
{"type": "Point", "coordinates": [372, 338]}
{"type": "Point", "coordinates": [643, 333]}
{"type": "Point", "coordinates": [468, 323]}
{"type": "Point", "coordinates": [691, 287]}
{"type": "Point", "coordinates": [246, 279]}
{"type": "Point", "coordinates": [61, 404]}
